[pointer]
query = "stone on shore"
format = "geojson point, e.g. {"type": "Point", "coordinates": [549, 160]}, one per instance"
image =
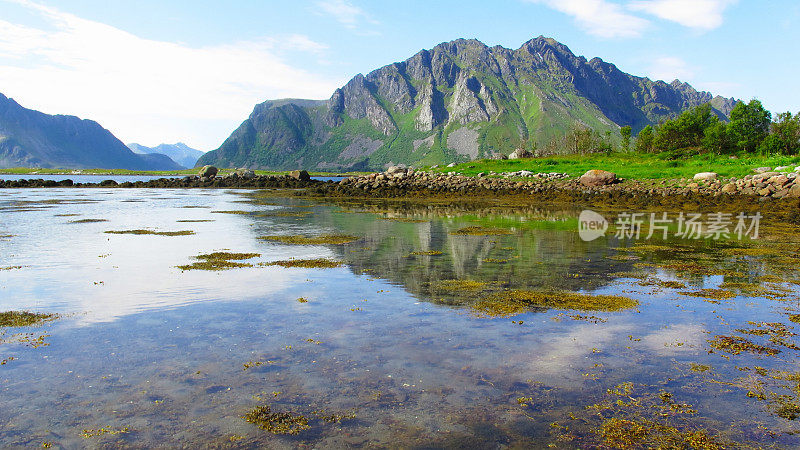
{"type": "Point", "coordinates": [208, 172]}
{"type": "Point", "coordinates": [301, 175]}
{"type": "Point", "coordinates": [705, 176]}
{"type": "Point", "coordinates": [598, 178]}
{"type": "Point", "coordinates": [247, 174]}
{"type": "Point", "coordinates": [520, 153]}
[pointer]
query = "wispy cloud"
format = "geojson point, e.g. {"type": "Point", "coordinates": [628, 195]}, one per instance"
{"type": "Point", "coordinates": [698, 14]}
{"type": "Point", "coordinates": [599, 17]}
{"type": "Point", "coordinates": [147, 90]}
{"type": "Point", "coordinates": [346, 13]}
{"type": "Point", "coordinates": [670, 68]}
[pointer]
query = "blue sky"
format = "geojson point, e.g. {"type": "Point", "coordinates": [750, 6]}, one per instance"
{"type": "Point", "coordinates": [167, 71]}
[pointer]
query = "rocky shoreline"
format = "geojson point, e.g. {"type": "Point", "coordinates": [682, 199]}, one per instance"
{"type": "Point", "coordinates": [781, 190]}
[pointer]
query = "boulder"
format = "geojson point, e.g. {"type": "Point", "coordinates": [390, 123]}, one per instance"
{"type": "Point", "coordinates": [729, 188]}
{"type": "Point", "coordinates": [301, 175]}
{"type": "Point", "coordinates": [794, 191]}
{"type": "Point", "coordinates": [208, 172]}
{"type": "Point", "coordinates": [783, 169]}
{"type": "Point", "coordinates": [395, 170]}
{"type": "Point", "coordinates": [247, 174]}
{"type": "Point", "coordinates": [499, 156]}
{"type": "Point", "coordinates": [597, 178]}
{"type": "Point", "coordinates": [763, 170]}
{"type": "Point", "coordinates": [705, 176]}
{"type": "Point", "coordinates": [451, 165]}
{"type": "Point", "coordinates": [520, 153]}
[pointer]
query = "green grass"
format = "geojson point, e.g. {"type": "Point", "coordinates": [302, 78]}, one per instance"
{"type": "Point", "coordinates": [632, 165]}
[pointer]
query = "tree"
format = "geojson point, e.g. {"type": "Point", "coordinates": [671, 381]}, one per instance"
{"type": "Point", "coordinates": [784, 137]}
{"type": "Point", "coordinates": [749, 125]}
{"type": "Point", "coordinates": [716, 139]}
{"type": "Point", "coordinates": [686, 130]}
{"type": "Point", "coordinates": [644, 142]}
{"type": "Point", "coordinates": [625, 132]}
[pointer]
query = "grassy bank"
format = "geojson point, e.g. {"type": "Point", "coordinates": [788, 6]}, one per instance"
{"type": "Point", "coordinates": [631, 165]}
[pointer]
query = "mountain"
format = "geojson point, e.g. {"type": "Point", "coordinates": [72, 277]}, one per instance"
{"type": "Point", "coordinates": [180, 152]}
{"type": "Point", "coordinates": [30, 138]}
{"type": "Point", "coordinates": [459, 101]}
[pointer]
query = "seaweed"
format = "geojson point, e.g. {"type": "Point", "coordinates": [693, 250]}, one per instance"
{"type": "Point", "coordinates": [735, 345]}
{"type": "Point", "coordinates": [714, 294]}
{"type": "Point", "coordinates": [220, 261]}
{"type": "Point", "coordinates": [24, 318]}
{"type": "Point", "coordinates": [228, 256]}
{"type": "Point", "coordinates": [318, 263]}
{"type": "Point", "coordinates": [481, 231]}
{"type": "Point", "coordinates": [427, 253]}
{"type": "Point", "coordinates": [277, 423]}
{"type": "Point", "coordinates": [88, 433]}
{"type": "Point", "coordinates": [325, 239]}
{"type": "Point", "coordinates": [153, 233]}
{"type": "Point", "coordinates": [512, 302]}
{"type": "Point", "coordinates": [88, 221]}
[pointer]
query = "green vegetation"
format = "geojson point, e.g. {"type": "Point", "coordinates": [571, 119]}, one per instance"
{"type": "Point", "coordinates": [750, 130]}
{"type": "Point", "coordinates": [24, 318]}
{"type": "Point", "coordinates": [325, 239]}
{"type": "Point", "coordinates": [319, 263]}
{"type": "Point", "coordinates": [511, 303]}
{"type": "Point", "coordinates": [153, 233]}
{"type": "Point", "coordinates": [88, 221]}
{"type": "Point", "coordinates": [481, 231]}
{"type": "Point", "coordinates": [277, 423]}
{"type": "Point", "coordinates": [220, 261]}
{"type": "Point", "coordinates": [633, 165]}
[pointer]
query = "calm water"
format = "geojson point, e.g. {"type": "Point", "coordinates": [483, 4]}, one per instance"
{"type": "Point", "coordinates": [177, 357]}
{"type": "Point", "coordinates": [117, 178]}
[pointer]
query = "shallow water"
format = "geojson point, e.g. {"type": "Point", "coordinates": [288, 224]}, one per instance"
{"type": "Point", "coordinates": [169, 357]}
{"type": "Point", "coordinates": [118, 178]}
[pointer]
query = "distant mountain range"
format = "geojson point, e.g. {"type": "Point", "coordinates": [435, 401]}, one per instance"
{"type": "Point", "coordinates": [459, 101]}
{"type": "Point", "coordinates": [30, 138]}
{"type": "Point", "coordinates": [180, 152]}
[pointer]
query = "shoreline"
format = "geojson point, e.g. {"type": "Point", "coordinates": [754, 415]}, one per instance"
{"type": "Point", "coordinates": [410, 185]}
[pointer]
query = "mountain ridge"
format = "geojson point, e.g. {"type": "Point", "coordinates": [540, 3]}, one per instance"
{"type": "Point", "coordinates": [179, 152]}
{"type": "Point", "coordinates": [29, 138]}
{"type": "Point", "coordinates": [458, 101]}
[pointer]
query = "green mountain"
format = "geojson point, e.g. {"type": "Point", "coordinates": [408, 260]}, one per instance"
{"type": "Point", "coordinates": [180, 152]}
{"type": "Point", "coordinates": [459, 101]}
{"type": "Point", "coordinates": [30, 138]}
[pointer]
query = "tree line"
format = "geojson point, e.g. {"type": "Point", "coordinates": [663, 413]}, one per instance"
{"type": "Point", "coordinates": [751, 129]}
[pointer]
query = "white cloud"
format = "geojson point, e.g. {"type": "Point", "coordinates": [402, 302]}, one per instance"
{"type": "Point", "coordinates": [599, 17]}
{"type": "Point", "coordinates": [146, 90]}
{"type": "Point", "coordinates": [669, 68]}
{"type": "Point", "coordinates": [699, 14]}
{"type": "Point", "coordinates": [344, 12]}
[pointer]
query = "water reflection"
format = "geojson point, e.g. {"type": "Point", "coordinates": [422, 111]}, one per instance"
{"type": "Point", "coordinates": [177, 358]}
